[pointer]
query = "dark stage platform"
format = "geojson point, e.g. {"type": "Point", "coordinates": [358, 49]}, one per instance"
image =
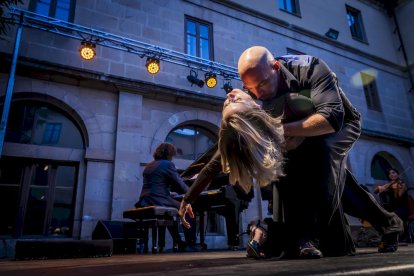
{"type": "Point", "coordinates": [366, 262]}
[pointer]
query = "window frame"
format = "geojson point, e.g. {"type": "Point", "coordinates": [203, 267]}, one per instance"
{"type": "Point", "coordinates": [357, 15]}
{"type": "Point", "coordinates": [21, 209]}
{"type": "Point", "coordinates": [52, 9]}
{"type": "Point", "coordinates": [283, 7]}
{"type": "Point", "coordinates": [199, 22]}
{"type": "Point", "coordinates": [371, 92]}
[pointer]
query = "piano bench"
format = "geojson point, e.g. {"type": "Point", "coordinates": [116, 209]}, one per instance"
{"type": "Point", "coordinates": [156, 218]}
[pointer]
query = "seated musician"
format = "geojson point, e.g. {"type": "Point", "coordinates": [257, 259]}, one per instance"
{"type": "Point", "coordinates": [158, 176]}
{"type": "Point", "coordinates": [395, 198]}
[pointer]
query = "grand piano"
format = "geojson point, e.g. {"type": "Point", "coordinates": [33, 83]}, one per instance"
{"type": "Point", "coordinates": [225, 199]}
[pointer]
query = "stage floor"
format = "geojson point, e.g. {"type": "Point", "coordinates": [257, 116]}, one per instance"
{"type": "Point", "coordinates": [366, 262]}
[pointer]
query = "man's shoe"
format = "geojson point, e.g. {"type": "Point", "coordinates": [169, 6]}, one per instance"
{"type": "Point", "coordinates": [389, 243]}
{"type": "Point", "coordinates": [308, 250]}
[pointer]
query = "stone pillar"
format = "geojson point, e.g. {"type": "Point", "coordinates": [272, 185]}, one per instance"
{"type": "Point", "coordinates": [97, 199]}
{"type": "Point", "coordinates": [127, 184]}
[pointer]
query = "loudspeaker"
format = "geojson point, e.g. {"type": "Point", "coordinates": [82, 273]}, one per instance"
{"type": "Point", "coordinates": [123, 234]}
{"type": "Point", "coordinates": [108, 230]}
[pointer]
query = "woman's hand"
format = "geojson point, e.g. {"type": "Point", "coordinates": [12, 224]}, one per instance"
{"type": "Point", "coordinates": [184, 209]}
{"type": "Point", "coordinates": [292, 143]}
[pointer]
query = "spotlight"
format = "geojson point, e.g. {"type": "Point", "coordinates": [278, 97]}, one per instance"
{"type": "Point", "coordinates": [332, 33]}
{"type": "Point", "coordinates": [193, 79]}
{"type": "Point", "coordinates": [227, 86]}
{"type": "Point", "coordinates": [87, 50]}
{"type": "Point", "coordinates": [211, 80]}
{"type": "Point", "coordinates": [153, 65]}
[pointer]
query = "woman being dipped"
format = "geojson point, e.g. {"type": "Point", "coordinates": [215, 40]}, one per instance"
{"type": "Point", "coordinates": [250, 146]}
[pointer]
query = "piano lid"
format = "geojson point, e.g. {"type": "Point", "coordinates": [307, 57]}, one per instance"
{"type": "Point", "coordinates": [220, 181]}
{"type": "Point", "coordinates": [199, 163]}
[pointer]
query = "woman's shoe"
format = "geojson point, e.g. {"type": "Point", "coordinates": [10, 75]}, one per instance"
{"type": "Point", "coordinates": [253, 250]}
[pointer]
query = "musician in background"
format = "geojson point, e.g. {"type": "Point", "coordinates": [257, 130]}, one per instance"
{"type": "Point", "coordinates": [394, 197]}
{"type": "Point", "coordinates": [158, 176]}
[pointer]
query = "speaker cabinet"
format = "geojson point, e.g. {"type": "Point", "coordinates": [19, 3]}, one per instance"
{"type": "Point", "coordinates": [124, 235]}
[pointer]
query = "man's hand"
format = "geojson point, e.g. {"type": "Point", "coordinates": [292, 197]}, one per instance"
{"type": "Point", "coordinates": [184, 209]}
{"type": "Point", "coordinates": [293, 142]}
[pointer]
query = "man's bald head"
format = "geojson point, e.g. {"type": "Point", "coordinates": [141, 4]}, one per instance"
{"type": "Point", "coordinates": [259, 72]}
{"type": "Point", "coordinates": [256, 57]}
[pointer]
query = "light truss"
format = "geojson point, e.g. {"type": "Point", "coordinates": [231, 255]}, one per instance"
{"type": "Point", "coordinates": [67, 29]}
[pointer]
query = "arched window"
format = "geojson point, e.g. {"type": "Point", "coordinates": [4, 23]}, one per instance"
{"type": "Point", "coordinates": [39, 194]}
{"type": "Point", "coordinates": [380, 163]}
{"type": "Point", "coordinates": [191, 140]}
{"type": "Point", "coordinates": [37, 123]}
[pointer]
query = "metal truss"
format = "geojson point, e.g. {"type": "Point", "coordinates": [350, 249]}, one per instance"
{"type": "Point", "coordinates": [67, 29]}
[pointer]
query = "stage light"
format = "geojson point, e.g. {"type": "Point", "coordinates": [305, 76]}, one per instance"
{"type": "Point", "coordinates": [332, 34]}
{"type": "Point", "coordinates": [227, 86]}
{"type": "Point", "coordinates": [153, 65]}
{"type": "Point", "coordinates": [87, 50]}
{"type": "Point", "coordinates": [193, 79]}
{"type": "Point", "coordinates": [210, 79]}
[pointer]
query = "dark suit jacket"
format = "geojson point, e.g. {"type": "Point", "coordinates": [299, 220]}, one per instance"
{"type": "Point", "coordinates": [159, 176]}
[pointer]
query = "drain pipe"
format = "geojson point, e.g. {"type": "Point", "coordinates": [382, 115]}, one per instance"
{"type": "Point", "coordinates": [390, 7]}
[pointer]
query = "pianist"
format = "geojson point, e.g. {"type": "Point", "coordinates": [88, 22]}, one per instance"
{"type": "Point", "coordinates": [158, 176]}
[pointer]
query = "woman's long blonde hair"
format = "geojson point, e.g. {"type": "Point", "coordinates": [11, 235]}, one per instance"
{"type": "Point", "coordinates": [251, 146]}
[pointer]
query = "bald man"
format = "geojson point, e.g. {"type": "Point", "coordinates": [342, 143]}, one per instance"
{"type": "Point", "coordinates": [313, 192]}
{"type": "Point", "coordinates": [317, 187]}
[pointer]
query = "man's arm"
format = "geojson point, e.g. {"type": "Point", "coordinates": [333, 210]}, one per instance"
{"type": "Point", "coordinates": [314, 125]}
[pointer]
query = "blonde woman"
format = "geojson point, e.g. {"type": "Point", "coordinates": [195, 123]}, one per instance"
{"type": "Point", "coordinates": [250, 142]}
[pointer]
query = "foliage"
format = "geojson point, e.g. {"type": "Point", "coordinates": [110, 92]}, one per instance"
{"type": "Point", "coordinates": [4, 6]}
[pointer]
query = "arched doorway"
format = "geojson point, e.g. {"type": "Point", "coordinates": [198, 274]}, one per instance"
{"type": "Point", "coordinates": [38, 180]}
{"type": "Point", "coordinates": [381, 162]}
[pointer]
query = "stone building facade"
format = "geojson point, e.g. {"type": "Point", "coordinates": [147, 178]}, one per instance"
{"type": "Point", "coordinates": [121, 112]}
